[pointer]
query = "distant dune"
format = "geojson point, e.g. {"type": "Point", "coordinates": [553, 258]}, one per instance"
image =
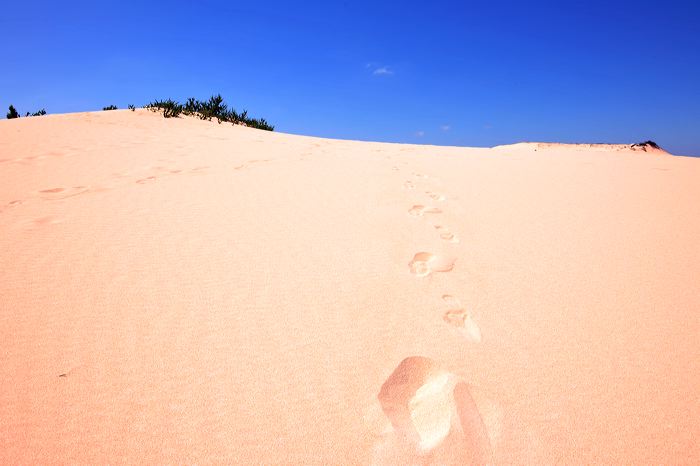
{"type": "Point", "coordinates": [648, 147]}
{"type": "Point", "coordinates": [181, 291]}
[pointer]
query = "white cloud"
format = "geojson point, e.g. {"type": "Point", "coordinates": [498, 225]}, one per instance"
{"type": "Point", "coordinates": [445, 127]}
{"type": "Point", "coordinates": [382, 70]}
{"type": "Point", "coordinates": [420, 134]}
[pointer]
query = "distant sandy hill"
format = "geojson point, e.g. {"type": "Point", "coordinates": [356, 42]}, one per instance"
{"type": "Point", "coordinates": [648, 147]}
{"type": "Point", "coordinates": [177, 291]}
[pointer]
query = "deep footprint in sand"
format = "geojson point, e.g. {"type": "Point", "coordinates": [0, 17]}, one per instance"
{"type": "Point", "coordinates": [446, 234]}
{"type": "Point", "coordinates": [53, 194]}
{"type": "Point", "coordinates": [433, 415]}
{"type": "Point", "coordinates": [425, 263]}
{"type": "Point", "coordinates": [460, 319]}
{"type": "Point", "coordinates": [419, 210]}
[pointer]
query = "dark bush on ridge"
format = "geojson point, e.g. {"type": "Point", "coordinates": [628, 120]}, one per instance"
{"type": "Point", "coordinates": [39, 113]}
{"type": "Point", "coordinates": [647, 143]}
{"type": "Point", "coordinates": [111, 107]}
{"type": "Point", "coordinates": [12, 113]}
{"type": "Point", "coordinates": [208, 109]}
{"type": "Point", "coordinates": [192, 106]}
{"type": "Point", "coordinates": [171, 109]}
{"type": "Point", "coordinates": [132, 108]}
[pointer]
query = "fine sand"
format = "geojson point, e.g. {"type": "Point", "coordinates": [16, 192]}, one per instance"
{"type": "Point", "coordinates": [181, 291]}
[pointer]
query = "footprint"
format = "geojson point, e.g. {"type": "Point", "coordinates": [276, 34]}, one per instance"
{"type": "Point", "coordinates": [424, 263]}
{"type": "Point", "coordinates": [148, 179]}
{"type": "Point", "coordinates": [409, 185]}
{"type": "Point", "coordinates": [53, 194]}
{"type": "Point", "coordinates": [446, 234]}
{"type": "Point", "coordinates": [460, 319]}
{"type": "Point", "coordinates": [43, 221]}
{"type": "Point", "coordinates": [435, 196]}
{"type": "Point", "coordinates": [419, 210]}
{"type": "Point", "coordinates": [434, 418]}
{"type": "Point", "coordinates": [420, 175]}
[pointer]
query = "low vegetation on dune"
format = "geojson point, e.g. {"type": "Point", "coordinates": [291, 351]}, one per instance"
{"type": "Point", "coordinates": [208, 109]}
{"type": "Point", "coordinates": [645, 144]}
{"type": "Point", "coordinates": [214, 107]}
{"type": "Point", "coordinates": [13, 113]}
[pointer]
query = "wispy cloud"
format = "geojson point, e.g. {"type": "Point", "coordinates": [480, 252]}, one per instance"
{"type": "Point", "coordinates": [382, 70]}
{"type": "Point", "coordinates": [378, 69]}
{"type": "Point", "coordinates": [445, 127]}
{"type": "Point", "coordinates": [420, 134]}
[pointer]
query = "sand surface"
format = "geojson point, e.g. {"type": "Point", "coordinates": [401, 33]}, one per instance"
{"type": "Point", "coordinates": [179, 291]}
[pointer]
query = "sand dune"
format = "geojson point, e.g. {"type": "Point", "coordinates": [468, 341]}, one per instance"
{"type": "Point", "coordinates": [179, 291]}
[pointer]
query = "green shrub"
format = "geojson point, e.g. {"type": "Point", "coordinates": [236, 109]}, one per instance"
{"type": "Point", "coordinates": [110, 107]}
{"type": "Point", "coordinates": [192, 106]}
{"type": "Point", "coordinates": [132, 108]}
{"type": "Point", "coordinates": [171, 109]}
{"type": "Point", "coordinates": [12, 113]}
{"type": "Point", "coordinates": [208, 109]}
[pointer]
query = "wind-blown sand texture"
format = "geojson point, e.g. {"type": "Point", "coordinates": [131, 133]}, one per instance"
{"type": "Point", "coordinates": [179, 291]}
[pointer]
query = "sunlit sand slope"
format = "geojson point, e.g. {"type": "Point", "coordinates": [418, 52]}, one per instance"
{"type": "Point", "coordinates": [179, 291]}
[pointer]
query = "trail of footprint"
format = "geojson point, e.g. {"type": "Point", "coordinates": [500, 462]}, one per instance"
{"type": "Point", "coordinates": [419, 210]}
{"type": "Point", "coordinates": [460, 319]}
{"type": "Point", "coordinates": [446, 234]}
{"type": "Point", "coordinates": [425, 263]}
{"type": "Point", "coordinates": [54, 194]}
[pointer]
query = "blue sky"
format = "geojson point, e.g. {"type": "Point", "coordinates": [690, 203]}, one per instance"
{"type": "Point", "coordinates": [442, 72]}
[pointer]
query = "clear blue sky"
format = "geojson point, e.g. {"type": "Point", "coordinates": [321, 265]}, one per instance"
{"type": "Point", "coordinates": [442, 72]}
